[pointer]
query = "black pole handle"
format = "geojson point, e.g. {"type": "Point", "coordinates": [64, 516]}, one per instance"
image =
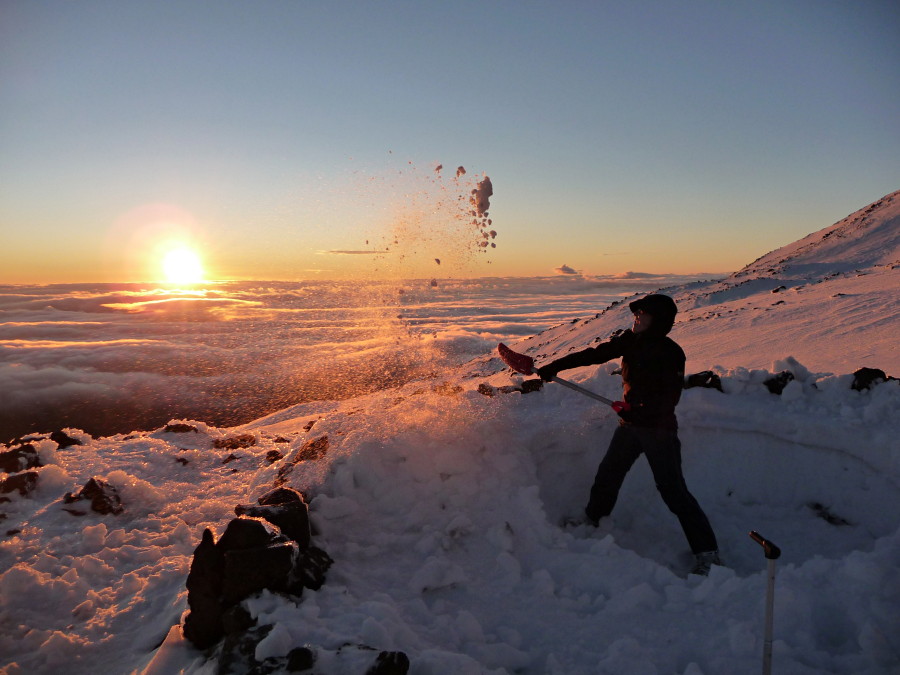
{"type": "Point", "coordinates": [771, 550]}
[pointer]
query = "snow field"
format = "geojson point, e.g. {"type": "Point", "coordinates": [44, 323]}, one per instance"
{"type": "Point", "coordinates": [441, 507]}
{"type": "Point", "coordinates": [464, 520]}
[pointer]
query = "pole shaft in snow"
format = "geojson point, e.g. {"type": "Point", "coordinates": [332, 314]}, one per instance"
{"type": "Point", "coordinates": [772, 553]}
{"type": "Point", "coordinates": [770, 619]}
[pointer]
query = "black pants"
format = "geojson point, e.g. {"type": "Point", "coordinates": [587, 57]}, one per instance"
{"type": "Point", "coordinates": [663, 451]}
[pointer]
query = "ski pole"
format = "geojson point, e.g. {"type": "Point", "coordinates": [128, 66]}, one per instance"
{"type": "Point", "coordinates": [772, 553]}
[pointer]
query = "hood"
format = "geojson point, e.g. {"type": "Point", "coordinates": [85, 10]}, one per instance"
{"type": "Point", "coordinates": [661, 307]}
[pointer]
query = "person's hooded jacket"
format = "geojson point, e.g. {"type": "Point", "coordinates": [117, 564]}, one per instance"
{"type": "Point", "coordinates": [652, 365]}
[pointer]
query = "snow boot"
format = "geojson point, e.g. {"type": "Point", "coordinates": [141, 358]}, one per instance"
{"type": "Point", "coordinates": [704, 561]}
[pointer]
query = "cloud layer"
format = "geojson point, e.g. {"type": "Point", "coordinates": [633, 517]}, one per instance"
{"type": "Point", "coordinates": [114, 358]}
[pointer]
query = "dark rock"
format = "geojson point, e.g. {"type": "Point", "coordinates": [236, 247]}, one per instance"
{"type": "Point", "coordinates": [310, 451]}
{"type": "Point", "coordinates": [527, 387]}
{"type": "Point", "coordinates": [249, 571]}
{"type": "Point", "coordinates": [530, 386]}
{"type": "Point", "coordinates": [281, 495]}
{"type": "Point", "coordinates": [314, 449]}
{"type": "Point", "coordinates": [390, 663]}
{"type": "Point", "coordinates": [299, 659]}
{"type": "Point", "coordinates": [23, 483]}
{"type": "Point", "coordinates": [244, 533]}
{"type": "Point", "coordinates": [235, 442]}
{"type": "Point", "coordinates": [238, 655]}
{"type": "Point", "coordinates": [292, 518]}
{"type": "Point", "coordinates": [486, 390]}
{"type": "Point", "coordinates": [237, 620]}
{"type": "Point", "coordinates": [249, 557]}
{"type": "Point", "coordinates": [182, 460]}
{"type": "Point", "coordinates": [281, 439]}
{"type": "Point", "coordinates": [707, 379]}
{"type": "Point", "coordinates": [180, 428]}
{"type": "Point", "coordinates": [104, 497]}
{"type": "Point", "coordinates": [63, 440]}
{"type": "Point", "coordinates": [777, 383]}
{"type": "Point", "coordinates": [231, 458]}
{"type": "Point", "coordinates": [866, 378]}
{"type": "Point", "coordinates": [19, 459]}
{"type": "Point", "coordinates": [311, 567]}
{"type": "Point", "coordinates": [273, 456]}
{"type": "Point", "coordinates": [203, 626]}
{"type": "Point", "coordinates": [309, 425]}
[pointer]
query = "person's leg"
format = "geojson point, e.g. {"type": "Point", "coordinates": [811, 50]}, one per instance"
{"type": "Point", "coordinates": [663, 451]}
{"type": "Point", "coordinates": [623, 450]}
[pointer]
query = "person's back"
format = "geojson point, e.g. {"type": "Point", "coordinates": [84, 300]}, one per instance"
{"type": "Point", "coordinates": [652, 380]}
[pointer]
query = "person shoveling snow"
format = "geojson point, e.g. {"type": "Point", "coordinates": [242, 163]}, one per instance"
{"type": "Point", "coordinates": [653, 378]}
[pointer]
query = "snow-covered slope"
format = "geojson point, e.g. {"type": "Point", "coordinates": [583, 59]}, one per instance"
{"type": "Point", "coordinates": [440, 502]}
{"type": "Point", "coordinates": [867, 238]}
{"type": "Point", "coordinates": [830, 300]}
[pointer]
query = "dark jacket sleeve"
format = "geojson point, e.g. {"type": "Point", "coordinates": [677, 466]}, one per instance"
{"type": "Point", "coordinates": [605, 351]}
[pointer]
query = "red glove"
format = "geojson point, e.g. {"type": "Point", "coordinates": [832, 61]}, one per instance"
{"type": "Point", "coordinates": [621, 406]}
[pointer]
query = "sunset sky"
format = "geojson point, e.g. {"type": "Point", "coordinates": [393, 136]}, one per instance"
{"type": "Point", "coordinates": [291, 140]}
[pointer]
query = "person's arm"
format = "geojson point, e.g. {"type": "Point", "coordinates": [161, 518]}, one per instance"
{"type": "Point", "coordinates": [591, 356]}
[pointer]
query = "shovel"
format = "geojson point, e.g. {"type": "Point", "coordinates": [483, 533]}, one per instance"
{"type": "Point", "coordinates": [524, 364]}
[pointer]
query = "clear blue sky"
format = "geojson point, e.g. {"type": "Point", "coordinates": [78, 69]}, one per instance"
{"type": "Point", "coordinates": [648, 136]}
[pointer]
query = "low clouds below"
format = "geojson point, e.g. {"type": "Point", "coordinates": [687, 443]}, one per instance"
{"type": "Point", "coordinates": [114, 358]}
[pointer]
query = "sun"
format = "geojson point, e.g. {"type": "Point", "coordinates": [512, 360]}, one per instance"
{"type": "Point", "coordinates": [182, 266]}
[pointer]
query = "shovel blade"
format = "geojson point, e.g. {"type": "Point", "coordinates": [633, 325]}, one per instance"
{"type": "Point", "coordinates": [521, 363]}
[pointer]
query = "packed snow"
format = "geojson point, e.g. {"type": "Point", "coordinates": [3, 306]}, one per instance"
{"type": "Point", "coordinates": [440, 502]}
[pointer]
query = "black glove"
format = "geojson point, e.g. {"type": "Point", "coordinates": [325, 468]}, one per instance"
{"type": "Point", "coordinates": [546, 373]}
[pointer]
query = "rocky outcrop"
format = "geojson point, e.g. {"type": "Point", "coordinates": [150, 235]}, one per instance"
{"type": "Point", "coordinates": [102, 497]}
{"type": "Point", "coordinates": [20, 458]}
{"type": "Point", "coordinates": [267, 547]}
